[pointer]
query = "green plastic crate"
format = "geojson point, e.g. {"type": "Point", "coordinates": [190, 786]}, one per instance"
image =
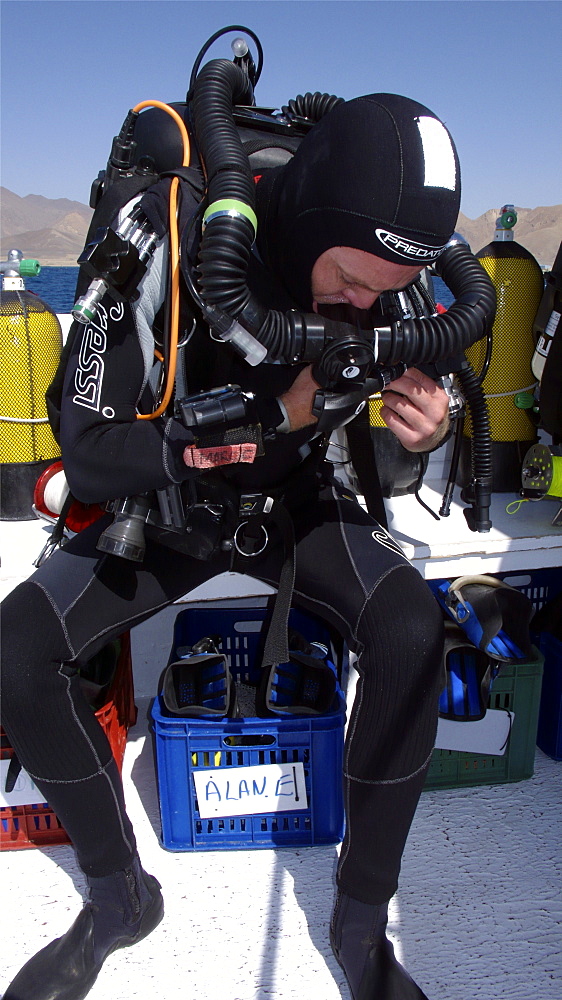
{"type": "Point", "coordinates": [516, 689]}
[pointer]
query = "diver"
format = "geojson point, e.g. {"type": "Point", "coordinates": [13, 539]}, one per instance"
{"type": "Point", "coordinates": [370, 197]}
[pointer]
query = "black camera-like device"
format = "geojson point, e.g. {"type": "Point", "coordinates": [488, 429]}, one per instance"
{"type": "Point", "coordinates": [217, 410]}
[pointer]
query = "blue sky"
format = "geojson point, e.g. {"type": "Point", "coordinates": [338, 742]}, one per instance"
{"type": "Point", "coordinates": [489, 68]}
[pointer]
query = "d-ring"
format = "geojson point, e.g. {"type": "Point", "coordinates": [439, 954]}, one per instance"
{"type": "Point", "coordinates": [258, 552]}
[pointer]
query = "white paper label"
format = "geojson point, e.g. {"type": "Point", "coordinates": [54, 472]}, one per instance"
{"type": "Point", "coordinates": [249, 791]}
{"type": "Point", "coordinates": [25, 791]}
{"type": "Point", "coordinates": [489, 735]}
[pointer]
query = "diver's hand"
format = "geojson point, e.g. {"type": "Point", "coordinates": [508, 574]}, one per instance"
{"type": "Point", "coordinates": [416, 410]}
{"type": "Point", "coordinates": [298, 400]}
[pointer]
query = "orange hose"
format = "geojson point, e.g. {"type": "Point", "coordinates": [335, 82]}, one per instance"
{"type": "Point", "coordinates": [174, 262]}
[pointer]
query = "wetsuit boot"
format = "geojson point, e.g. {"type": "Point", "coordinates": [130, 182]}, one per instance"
{"type": "Point", "coordinates": [122, 909]}
{"type": "Point", "coordinates": [359, 942]}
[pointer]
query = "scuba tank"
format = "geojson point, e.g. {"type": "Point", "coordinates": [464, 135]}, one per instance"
{"type": "Point", "coordinates": [504, 364]}
{"type": "Point", "coordinates": [31, 341]}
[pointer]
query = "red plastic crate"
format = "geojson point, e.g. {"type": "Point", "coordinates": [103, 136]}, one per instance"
{"type": "Point", "coordinates": [37, 825]}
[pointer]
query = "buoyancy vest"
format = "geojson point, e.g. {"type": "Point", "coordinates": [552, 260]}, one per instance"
{"type": "Point", "coordinates": [157, 138]}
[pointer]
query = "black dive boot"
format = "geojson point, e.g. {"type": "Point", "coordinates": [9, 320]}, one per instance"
{"type": "Point", "coordinates": [359, 942]}
{"type": "Point", "coordinates": [122, 909]}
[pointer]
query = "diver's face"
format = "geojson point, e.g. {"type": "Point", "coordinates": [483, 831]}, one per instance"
{"type": "Point", "coordinates": [344, 274]}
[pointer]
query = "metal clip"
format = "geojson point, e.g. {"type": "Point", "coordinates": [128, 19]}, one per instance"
{"type": "Point", "coordinates": [254, 503]}
{"type": "Point", "coordinates": [251, 537]}
{"type": "Point", "coordinates": [244, 544]}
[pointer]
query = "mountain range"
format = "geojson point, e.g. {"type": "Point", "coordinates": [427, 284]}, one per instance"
{"type": "Point", "coordinates": [54, 229]}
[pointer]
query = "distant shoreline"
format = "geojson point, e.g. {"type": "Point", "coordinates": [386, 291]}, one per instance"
{"type": "Point", "coordinates": [54, 230]}
{"type": "Point", "coordinates": [73, 263]}
{"type": "Point", "coordinates": [58, 263]}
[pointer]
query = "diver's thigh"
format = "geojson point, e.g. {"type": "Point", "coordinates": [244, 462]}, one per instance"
{"type": "Point", "coordinates": [95, 595]}
{"type": "Point", "coordinates": [342, 552]}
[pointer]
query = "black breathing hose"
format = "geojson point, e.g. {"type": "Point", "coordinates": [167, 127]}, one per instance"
{"type": "Point", "coordinates": [219, 86]}
{"type": "Point", "coordinates": [435, 338]}
{"type": "Point", "coordinates": [312, 107]}
{"type": "Point", "coordinates": [226, 244]}
{"type": "Point", "coordinates": [479, 492]}
{"type": "Point", "coordinates": [227, 241]}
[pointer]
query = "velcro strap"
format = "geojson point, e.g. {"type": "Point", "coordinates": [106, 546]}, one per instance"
{"type": "Point", "coordinates": [223, 454]}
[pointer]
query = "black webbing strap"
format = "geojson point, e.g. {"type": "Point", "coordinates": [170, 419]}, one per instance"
{"type": "Point", "coordinates": [277, 642]}
{"type": "Point", "coordinates": [299, 489]}
{"type": "Point", "coordinates": [116, 197]}
{"type": "Point", "coordinates": [252, 541]}
{"type": "Point", "coordinates": [57, 534]}
{"type": "Point", "coordinates": [362, 456]}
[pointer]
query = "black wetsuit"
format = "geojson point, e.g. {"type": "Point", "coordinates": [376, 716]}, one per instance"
{"type": "Point", "coordinates": [349, 571]}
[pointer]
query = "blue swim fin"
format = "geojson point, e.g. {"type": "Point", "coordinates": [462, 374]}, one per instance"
{"type": "Point", "coordinates": [493, 615]}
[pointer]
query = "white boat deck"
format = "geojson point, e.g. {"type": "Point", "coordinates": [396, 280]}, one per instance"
{"type": "Point", "coordinates": [478, 915]}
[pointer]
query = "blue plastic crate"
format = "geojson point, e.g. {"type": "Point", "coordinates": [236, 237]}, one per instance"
{"type": "Point", "coordinates": [541, 586]}
{"type": "Point", "coordinates": [549, 734]}
{"type": "Point", "coordinates": [517, 688]}
{"type": "Point", "coordinates": [184, 746]}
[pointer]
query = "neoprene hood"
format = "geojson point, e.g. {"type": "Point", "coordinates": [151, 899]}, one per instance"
{"type": "Point", "coordinates": [379, 173]}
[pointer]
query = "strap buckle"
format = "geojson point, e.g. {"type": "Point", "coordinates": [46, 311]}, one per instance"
{"type": "Point", "coordinates": [251, 537]}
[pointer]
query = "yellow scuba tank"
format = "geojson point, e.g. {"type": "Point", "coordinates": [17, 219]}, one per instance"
{"type": "Point", "coordinates": [508, 382]}
{"type": "Point", "coordinates": [30, 346]}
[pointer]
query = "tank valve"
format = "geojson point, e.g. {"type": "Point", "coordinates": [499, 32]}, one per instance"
{"type": "Point", "coordinates": [15, 269]}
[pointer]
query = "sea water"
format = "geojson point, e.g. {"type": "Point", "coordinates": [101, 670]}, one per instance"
{"type": "Point", "coordinates": [56, 286]}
